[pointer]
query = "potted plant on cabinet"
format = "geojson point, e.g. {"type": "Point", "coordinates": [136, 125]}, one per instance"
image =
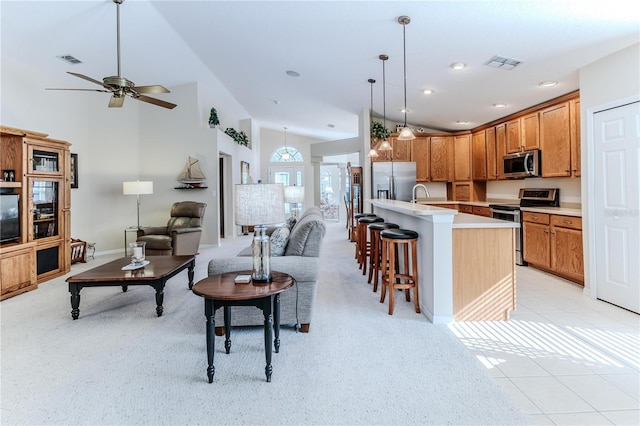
{"type": "Point", "coordinates": [213, 118]}
{"type": "Point", "coordinates": [379, 132]}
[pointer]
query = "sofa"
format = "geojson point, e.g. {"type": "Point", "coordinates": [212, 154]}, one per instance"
{"type": "Point", "coordinates": [300, 260]}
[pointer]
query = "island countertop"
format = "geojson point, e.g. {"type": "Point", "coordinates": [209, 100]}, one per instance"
{"type": "Point", "coordinates": [460, 220]}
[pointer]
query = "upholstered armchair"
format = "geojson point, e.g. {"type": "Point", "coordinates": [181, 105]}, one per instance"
{"type": "Point", "coordinates": [182, 234]}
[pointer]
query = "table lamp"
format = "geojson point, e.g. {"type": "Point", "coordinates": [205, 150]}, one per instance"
{"type": "Point", "coordinates": [136, 188]}
{"type": "Point", "coordinates": [259, 205]}
{"type": "Point", "coordinates": [294, 194]}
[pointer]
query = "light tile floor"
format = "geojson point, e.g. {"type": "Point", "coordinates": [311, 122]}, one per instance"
{"type": "Point", "coordinates": [566, 358]}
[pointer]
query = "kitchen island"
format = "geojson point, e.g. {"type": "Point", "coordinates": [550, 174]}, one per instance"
{"type": "Point", "coordinates": [466, 263]}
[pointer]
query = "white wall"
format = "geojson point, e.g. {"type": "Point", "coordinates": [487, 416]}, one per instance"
{"type": "Point", "coordinates": [138, 141]}
{"type": "Point", "coordinates": [611, 78]}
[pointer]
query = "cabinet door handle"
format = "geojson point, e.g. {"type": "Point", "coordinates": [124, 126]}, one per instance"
{"type": "Point", "coordinates": [534, 217]}
{"type": "Point", "coordinates": [568, 222]}
{"type": "Point", "coordinates": [546, 231]}
{"type": "Point", "coordinates": [567, 170]}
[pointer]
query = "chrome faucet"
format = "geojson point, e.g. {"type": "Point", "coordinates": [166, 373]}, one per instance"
{"type": "Point", "coordinates": [414, 192]}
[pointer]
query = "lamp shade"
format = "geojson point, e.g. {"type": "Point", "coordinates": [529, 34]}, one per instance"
{"type": "Point", "coordinates": [137, 187]}
{"type": "Point", "coordinates": [259, 204]}
{"type": "Point", "coordinates": [294, 194]}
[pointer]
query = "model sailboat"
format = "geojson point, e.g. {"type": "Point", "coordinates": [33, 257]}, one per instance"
{"type": "Point", "coordinates": [192, 175]}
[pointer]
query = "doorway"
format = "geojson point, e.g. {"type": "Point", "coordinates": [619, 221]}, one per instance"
{"type": "Point", "coordinates": [616, 204]}
{"type": "Point", "coordinates": [289, 176]}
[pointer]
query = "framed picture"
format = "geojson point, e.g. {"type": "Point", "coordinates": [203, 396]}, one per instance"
{"type": "Point", "coordinates": [74, 170]}
{"type": "Point", "coordinates": [244, 172]}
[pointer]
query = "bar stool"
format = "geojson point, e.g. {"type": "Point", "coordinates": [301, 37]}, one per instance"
{"type": "Point", "coordinates": [357, 217]}
{"type": "Point", "coordinates": [392, 277]}
{"type": "Point", "coordinates": [363, 240]}
{"type": "Point", "coordinates": [376, 252]}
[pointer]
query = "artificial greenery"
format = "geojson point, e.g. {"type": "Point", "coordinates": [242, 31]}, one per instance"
{"type": "Point", "coordinates": [378, 131]}
{"type": "Point", "coordinates": [213, 118]}
{"type": "Point", "coordinates": [239, 137]}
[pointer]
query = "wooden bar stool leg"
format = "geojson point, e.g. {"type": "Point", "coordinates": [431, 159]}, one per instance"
{"type": "Point", "coordinates": [392, 276]}
{"type": "Point", "coordinates": [384, 275]}
{"type": "Point", "coordinates": [407, 271]}
{"type": "Point", "coordinates": [374, 254]}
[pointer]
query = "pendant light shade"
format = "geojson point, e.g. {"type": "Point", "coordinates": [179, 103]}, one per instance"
{"type": "Point", "coordinates": [385, 145]}
{"type": "Point", "coordinates": [406, 134]}
{"type": "Point", "coordinates": [285, 154]}
{"type": "Point", "coordinates": [372, 151]}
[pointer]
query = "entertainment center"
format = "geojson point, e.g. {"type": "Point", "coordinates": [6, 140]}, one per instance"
{"type": "Point", "coordinates": [35, 210]}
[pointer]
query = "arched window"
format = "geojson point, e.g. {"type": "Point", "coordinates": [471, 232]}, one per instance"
{"type": "Point", "coordinates": [294, 155]}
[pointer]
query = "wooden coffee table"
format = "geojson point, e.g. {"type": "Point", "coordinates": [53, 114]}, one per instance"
{"type": "Point", "coordinates": [221, 291]}
{"type": "Point", "coordinates": [155, 274]}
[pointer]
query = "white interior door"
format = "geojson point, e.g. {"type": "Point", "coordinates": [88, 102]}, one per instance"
{"type": "Point", "coordinates": [617, 207]}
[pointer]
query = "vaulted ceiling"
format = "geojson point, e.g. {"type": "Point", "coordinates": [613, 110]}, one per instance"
{"type": "Point", "coordinates": [334, 47]}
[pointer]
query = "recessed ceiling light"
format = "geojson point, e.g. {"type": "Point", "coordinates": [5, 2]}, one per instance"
{"type": "Point", "coordinates": [427, 91]}
{"type": "Point", "coordinates": [331, 125]}
{"type": "Point", "coordinates": [403, 110]}
{"type": "Point", "coordinates": [462, 122]}
{"type": "Point", "coordinates": [457, 65]}
{"type": "Point", "coordinates": [293, 73]}
{"type": "Point", "coordinates": [499, 105]}
{"type": "Point", "coordinates": [277, 102]}
{"type": "Point", "coordinates": [548, 83]}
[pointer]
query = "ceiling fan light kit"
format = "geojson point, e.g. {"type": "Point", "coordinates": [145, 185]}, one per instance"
{"type": "Point", "coordinates": [406, 134]}
{"type": "Point", "coordinates": [118, 86]}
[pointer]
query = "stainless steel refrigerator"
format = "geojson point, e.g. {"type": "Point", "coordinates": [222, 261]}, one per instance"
{"type": "Point", "coordinates": [386, 173]}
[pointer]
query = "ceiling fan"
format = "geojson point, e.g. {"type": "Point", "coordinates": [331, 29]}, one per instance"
{"type": "Point", "coordinates": [119, 86]}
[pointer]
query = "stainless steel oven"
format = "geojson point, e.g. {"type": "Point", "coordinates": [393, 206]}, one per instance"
{"type": "Point", "coordinates": [529, 197]}
{"type": "Point", "coordinates": [511, 212]}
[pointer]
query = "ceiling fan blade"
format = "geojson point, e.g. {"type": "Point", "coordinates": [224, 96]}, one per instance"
{"type": "Point", "coordinates": [155, 101]}
{"type": "Point", "coordinates": [83, 90]}
{"type": "Point", "coordinates": [156, 88]}
{"type": "Point", "coordinates": [116, 101]}
{"type": "Point", "coordinates": [84, 77]}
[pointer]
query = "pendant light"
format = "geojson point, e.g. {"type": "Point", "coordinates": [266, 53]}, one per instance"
{"type": "Point", "coordinates": [285, 154]}
{"type": "Point", "coordinates": [385, 145]}
{"type": "Point", "coordinates": [372, 150]}
{"type": "Point", "coordinates": [405, 134]}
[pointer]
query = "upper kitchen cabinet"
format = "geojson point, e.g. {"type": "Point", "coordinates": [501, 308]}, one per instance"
{"type": "Point", "coordinates": [479, 156]}
{"type": "Point", "coordinates": [574, 118]}
{"type": "Point", "coordinates": [513, 136]}
{"type": "Point", "coordinates": [555, 140]}
{"type": "Point", "coordinates": [530, 136]}
{"type": "Point", "coordinates": [421, 155]}
{"type": "Point", "coordinates": [401, 151]}
{"type": "Point", "coordinates": [462, 157]}
{"type": "Point", "coordinates": [441, 158]}
{"type": "Point", "coordinates": [495, 142]}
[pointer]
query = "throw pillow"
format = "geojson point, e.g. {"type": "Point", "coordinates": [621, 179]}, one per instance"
{"type": "Point", "coordinates": [290, 223]}
{"type": "Point", "coordinates": [279, 240]}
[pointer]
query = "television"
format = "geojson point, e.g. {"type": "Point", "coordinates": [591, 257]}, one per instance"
{"type": "Point", "coordinates": [9, 217]}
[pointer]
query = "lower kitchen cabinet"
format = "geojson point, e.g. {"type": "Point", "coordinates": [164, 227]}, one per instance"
{"type": "Point", "coordinates": [553, 243]}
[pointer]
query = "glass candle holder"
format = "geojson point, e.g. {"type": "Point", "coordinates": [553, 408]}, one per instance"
{"type": "Point", "coordinates": [136, 252]}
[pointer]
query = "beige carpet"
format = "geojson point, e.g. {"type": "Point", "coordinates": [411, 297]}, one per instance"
{"type": "Point", "coordinates": [120, 364]}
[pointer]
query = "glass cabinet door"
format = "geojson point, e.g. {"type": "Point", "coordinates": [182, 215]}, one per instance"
{"type": "Point", "coordinates": [44, 160]}
{"type": "Point", "coordinates": [45, 207]}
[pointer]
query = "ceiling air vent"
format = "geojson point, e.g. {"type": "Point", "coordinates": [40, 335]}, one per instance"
{"type": "Point", "coordinates": [69, 59]}
{"type": "Point", "coordinates": [503, 63]}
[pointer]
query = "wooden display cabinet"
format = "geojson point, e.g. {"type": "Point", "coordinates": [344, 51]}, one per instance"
{"type": "Point", "coordinates": [353, 199]}
{"type": "Point", "coordinates": [41, 167]}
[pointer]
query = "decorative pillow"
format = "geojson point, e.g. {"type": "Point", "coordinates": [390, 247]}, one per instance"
{"type": "Point", "coordinates": [279, 240]}
{"type": "Point", "coordinates": [290, 223]}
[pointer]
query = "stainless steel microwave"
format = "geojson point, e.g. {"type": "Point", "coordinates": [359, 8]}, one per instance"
{"type": "Point", "coordinates": [522, 164]}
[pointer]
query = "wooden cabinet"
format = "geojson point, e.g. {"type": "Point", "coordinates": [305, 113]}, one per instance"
{"type": "Point", "coordinates": [421, 154]}
{"type": "Point", "coordinates": [479, 156]}
{"type": "Point", "coordinates": [467, 191]}
{"type": "Point", "coordinates": [482, 211]}
{"type": "Point", "coordinates": [465, 208]}
{"type": "Point", "coordinates": [462, 157]}
{"type": "Point", "coordinates": [441, 158]}
{"type": "Point", "coordinates": [354, 199]}
{"type": "Point", "coordinates": [530, 132]}
{"type": "Point", "coordinates": [401, 151]}
{"type": "Point", "coordinates": [42, 182]}
{"type": "Point", "coordinates": [513, 136]}
{"type": "Point", "coordinates": [574, 121]}
{"type": "Point", "coordinates": [554, 243]}
{"type": "Point", "coordinates": [501, 148]}
{"type": "Point", "coordinates": [555, 141]}
{"type": "Point", "coordinates": [495, 142]}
